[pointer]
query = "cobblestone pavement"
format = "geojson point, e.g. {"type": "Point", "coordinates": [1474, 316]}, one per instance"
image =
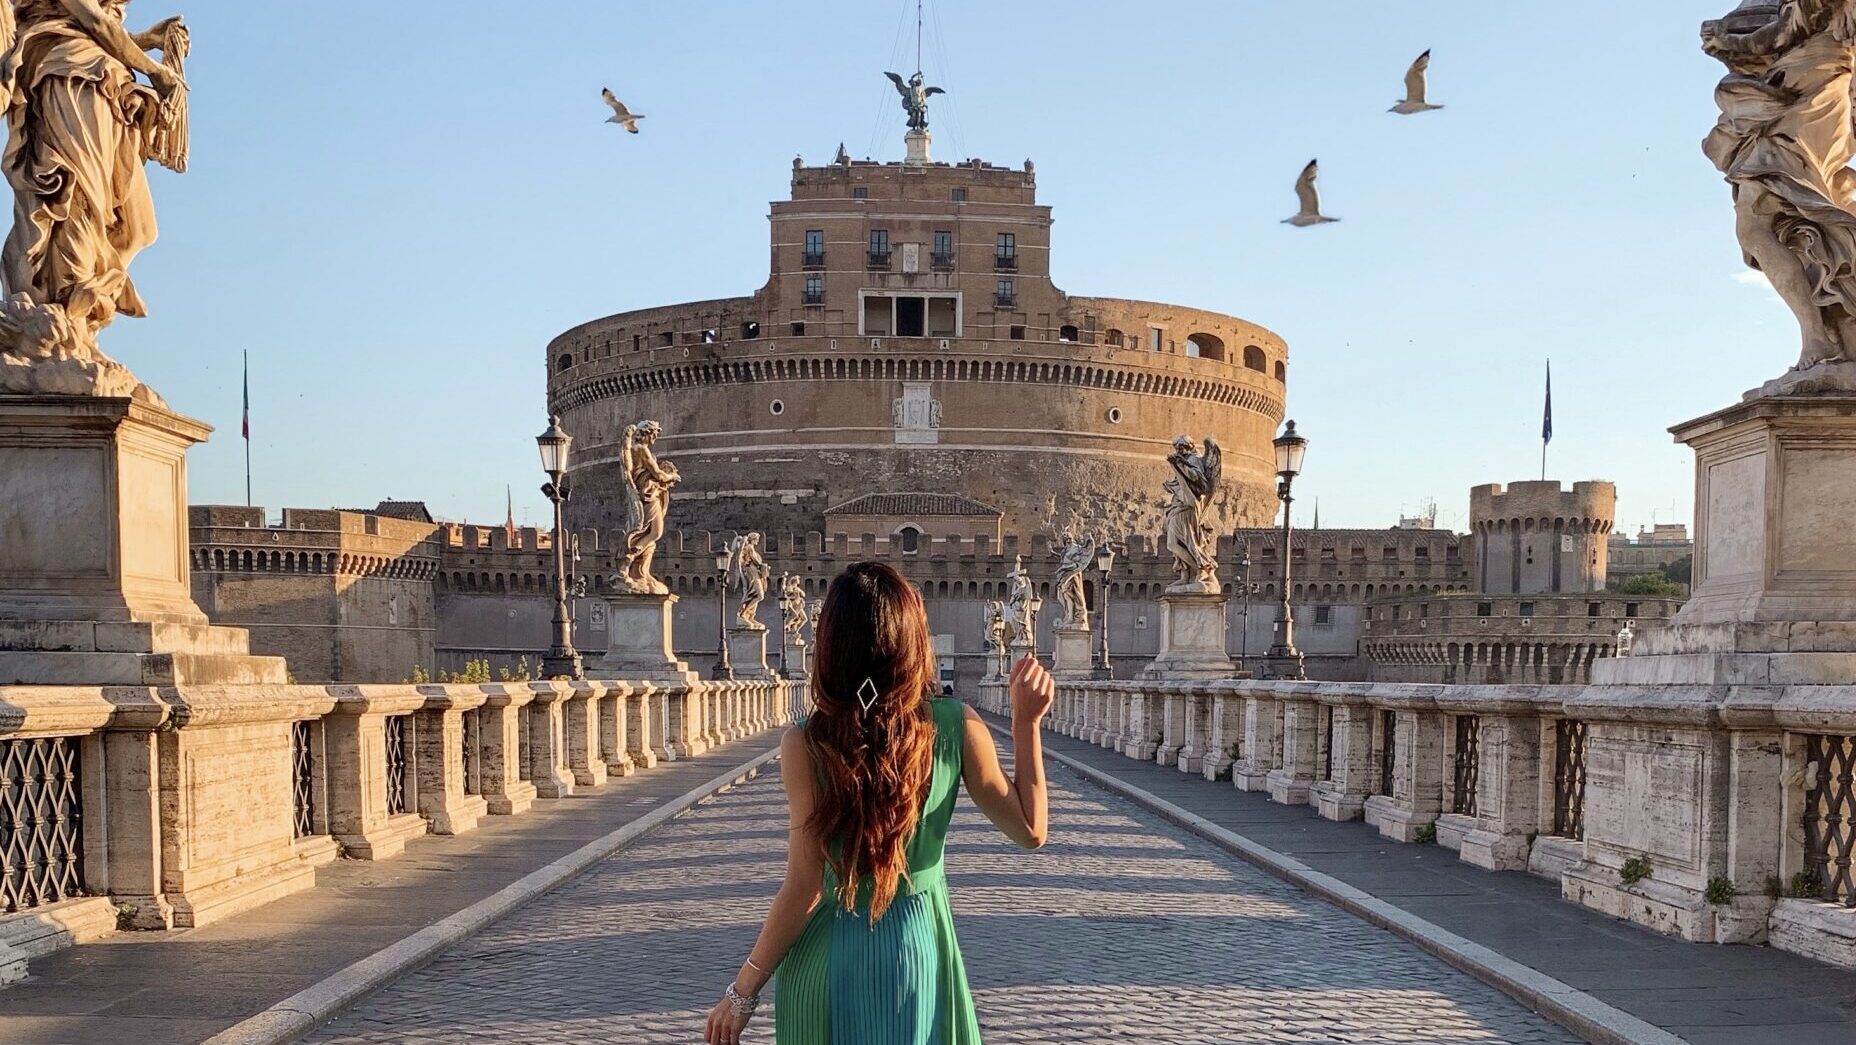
{"type": "Point", "coordinates": [1122, 929]}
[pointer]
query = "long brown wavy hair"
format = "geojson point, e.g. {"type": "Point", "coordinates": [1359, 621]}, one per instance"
{"type": "Point", "coordinates": [874, 766]}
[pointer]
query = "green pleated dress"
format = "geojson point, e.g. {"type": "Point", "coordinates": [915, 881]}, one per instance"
{"type": "Point", "coordinates": [900, 982]}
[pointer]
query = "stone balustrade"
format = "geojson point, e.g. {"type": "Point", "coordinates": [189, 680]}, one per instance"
{"type": "Point", "coordinates": [159, 808]}
{"type": "Point", "coordinates": [1723, 814]}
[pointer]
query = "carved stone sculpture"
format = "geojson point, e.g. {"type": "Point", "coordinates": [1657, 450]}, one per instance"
{"type": "Point", "coordinates": [80, 129]}
{"type": "Point", "coordinates": [1079, 555]}
{"type": "Point", "coordinates": [1784, 142]}
{"type": "Point", "coordinates": [997, 636]}
{"type": "Point", "coordinates": [749, 574]}
{"type": "Point", "coordinates": [793, 606]}
{"type": "Point", "coordinates": [1189, 536]}
{"type": "Point", "coordinates": [647, 488]}
{"type": "Point", "coordinates": [1021, 606]}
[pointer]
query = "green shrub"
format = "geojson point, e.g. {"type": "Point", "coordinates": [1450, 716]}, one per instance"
{"type": "Point", "coordinates": [1635, 869]}
{"type": "Point", "coordinates": [1426, 835]}
{"type": "Point", "coordinates": [1721, 891]}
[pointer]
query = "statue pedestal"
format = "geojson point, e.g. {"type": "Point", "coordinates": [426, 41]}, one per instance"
{"type": "Point", "coordinates": [95, 587]}
{"type": "Point", "coordinates": [1192, 639]}
{"type": "Point", "coordinates": [747, 653]}
{"type": "Point", "coordinates": [1074, 657]}
{"type": "Point", "coordinates": [1775, 554]}
{"type": "Point", "coordinates": [916, 144]}
{"type": "Point", "coordinates": [638, 640]}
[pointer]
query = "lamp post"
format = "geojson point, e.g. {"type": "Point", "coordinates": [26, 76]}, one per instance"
{"type": "Point", "coordinates": [1105, 561]}
{"type": "Point", "coordinates": [783, 578]}
{"type": "Point", "coordinates": [561, 658]}
{"type": "Point", "coordinates": [724, 668]}
{"type": "Point", "coordinates": [1285, 661]}
{"type": "Point", "coordinates": [1248, 588]}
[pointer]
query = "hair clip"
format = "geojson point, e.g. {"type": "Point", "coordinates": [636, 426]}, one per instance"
{"type": "Point", "coordinates": [869, 700]}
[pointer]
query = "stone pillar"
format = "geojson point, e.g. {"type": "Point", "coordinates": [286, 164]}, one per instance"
{"type": "Point", "coordinates": [1196, 705]}
{"type": "Point", "coordinates": [95, 586]}
{"type": "Point", "coordinates": [547, 741]}
{"type": "Point", "coordinates": [1146, 723]}
{"type": "Point", "coordinates": [362, 813]}
{"type": "Point", "coordinates": [683, 732]}
{"type": "Point", "coordinates": [132, 822]}
{"type": "Point", "coordinates": [438, 740]}
{"type": "Point", "coordinates": [1418, 768]}
{"type": "Point", "coordinates": [1262, 737]}
{"type": "Point", "coordinates": [1117, 704]}
{"type": "Point", "coordinates": [1073, 657]}
{"type": "Point", "coordinates": [644, 723]}
{"type": "Point", "coordinates": [1342, 796]}
{"type": "Point", "coordinates": [586, 759]}
{"type": "Point", "coordinates": [1301, 725]}
{"type": "Point", "coordinates": [1226, 732]}
{"type": "Point", "coordinates": [500, 723]}
{"type": "Point", "coordinates": [614, 717]}
{"type": "Point", "coordinates": [1508, 793]}
{"type": "Point", "coordinates": [1172, 697]}
{"type": "Point", "coordinates": [1192, 638]}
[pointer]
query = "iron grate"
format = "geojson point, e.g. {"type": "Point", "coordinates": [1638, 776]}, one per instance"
{"type": "Point", "coordinates": [1468, 766]}
{"type": "Point", "coordinates": [41, 822]}
{"type": "Point", "coordinates": [1327, 741]}
{"type": "Point", "coordinates": [1569, 779]}
{"type": "Point", "coordinates": [470, 740]}
{"type": "Point", "coordinates": [1830, 816]}
{"type": "Point", "coordinates": [524, 719]}
{"type": "Point", "coordinates": [396, 765]}
{"type": "Point", "coordinates": [303, 779]}
{"type": "Point", "coordinates": [1388, 753]}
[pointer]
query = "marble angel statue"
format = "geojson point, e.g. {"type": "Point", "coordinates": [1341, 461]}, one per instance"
{"type": "Point", "coordinates": [793, 606]}
{"type": "Point", "coordinates": [1190, 536]}
{"type": "Point", "coordinates": [749, 573]}
{"type": "Point", "coordinates": [1784, 142]}
{"type": "Point", "coordinates": [647, 494]}
{"type": "Point", "coordinates": [997, 638]}
{"type": "Point", "coordinates": [1021, 606]}
{"type": "Point", "coordinates": [81, 128]}
{"type": "Point", "coordinates": [1079, 556]}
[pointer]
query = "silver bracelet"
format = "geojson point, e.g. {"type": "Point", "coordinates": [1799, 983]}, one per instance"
{"type": "Point", "coordinates": [742, 1005]}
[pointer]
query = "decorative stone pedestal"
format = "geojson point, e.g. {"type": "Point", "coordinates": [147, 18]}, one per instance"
{"type": "Point", "coordinates": [1192, 638]}
{"type": "Point", "coordinates": [747, 653]}
{"type": "Point", "coordinates": [1073, 656]}
{"type": "Point", "coordinates": [638, 645]}
{"type": "Point", "coordinates": [1774, 598]}
{"type": "Point", "coordinates": [94, 576]}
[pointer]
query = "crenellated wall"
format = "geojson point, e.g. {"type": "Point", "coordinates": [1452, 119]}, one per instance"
{"type": "Point", "coordinates": [1535, 538]}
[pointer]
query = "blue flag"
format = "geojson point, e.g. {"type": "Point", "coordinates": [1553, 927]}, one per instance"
{"type": "Point", "coordinates": [1546, 420]}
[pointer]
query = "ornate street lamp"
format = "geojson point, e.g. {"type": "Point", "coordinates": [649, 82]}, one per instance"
{"type": "Point", "coordinates": [724, 668]}
{"type": "Point", "coordinates": [1105, 561]}
{"type": "Point", "coordinates": [1249, 588]}
{"type": "Point", "coordinates": [1285, 661]}
{"type": "Point", "coordinates": [561, 658]}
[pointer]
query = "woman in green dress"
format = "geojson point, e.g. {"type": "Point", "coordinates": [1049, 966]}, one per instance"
{"type": "Point", "coordinates": [860, 931]}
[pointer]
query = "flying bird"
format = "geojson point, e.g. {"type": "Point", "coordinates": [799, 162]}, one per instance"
{"type": "Point", "coordinates": [1310, 213]}
{"type": "Point", "coordinates": [620, 114]}
{"type": "Point", "coordinates": [1415, 88]}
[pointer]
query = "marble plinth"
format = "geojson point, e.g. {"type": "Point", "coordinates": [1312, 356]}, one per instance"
{"type": "Point", "coordinates": [1073, 658]}
{"type": "Point", "coordinates": [1192, 638]}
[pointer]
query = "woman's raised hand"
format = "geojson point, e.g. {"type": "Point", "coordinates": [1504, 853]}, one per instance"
{"type": "Point", "coordinates": [1032, 690]}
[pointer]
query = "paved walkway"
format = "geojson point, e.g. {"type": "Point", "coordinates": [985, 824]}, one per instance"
{"type": "Point", "coordinates": [183, 987]}
{"type": "Point", "coordinates": [1123, 929]}
{"type": "Point", "coordinates": [1707, 994]}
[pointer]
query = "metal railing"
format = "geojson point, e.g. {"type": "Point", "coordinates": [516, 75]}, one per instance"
{"type": "Point", "coordinates": [396, 765]}
{"type": "Point", "coordinates": [1005, 262]}
{"type": "Point", "coordinates": [470, 744]}
{"type": "Point", "coordinates": [812, 261]}
{"type": "Point", "coordinates": [1467, 765]}
{"type": "Point", "coordinates": [941, 262]}
{"type": "Point", "coordinates": [1005, 300]}
{"type": "Point", "coordinates": [41, 822]}
{"type": "Point", "coordinates": [303, 778]}
{"type": "Point", "coordinates": [1569, 778]}
{"type": "Point", "coordinates": [812, 299]}
{"type": "Point", "coordinates": [1388, 752]}
{"type": "Point", "coordinates": [1326, 740]}
{"type": "Point", "coordinates": [1830, 817]}
{"type": "Point", "coordinates": [877, 260]}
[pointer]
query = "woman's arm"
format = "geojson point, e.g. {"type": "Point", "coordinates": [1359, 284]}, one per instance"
{"type": "Point", "coordinates": [1019, 807]}
{"type": "Point", "coordinates": [792, 905]}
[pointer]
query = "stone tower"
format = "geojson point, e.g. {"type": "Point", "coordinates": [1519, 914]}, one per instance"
{"type": "Point", "coordinates": [1535, 538]}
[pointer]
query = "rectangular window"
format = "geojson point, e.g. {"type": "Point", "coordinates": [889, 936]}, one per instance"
{"type": "Point", "coordinates": [637, 342]}
{"type": "Point", "coordinates": [1527, 609]}
{"type": "Point", "coordinates": [1156, 339]}
{"type": "Point", "coordinates": [815, 247]}
{"type": "Point", "coordinates": [815, 290]}
{"type": "Point", "coordinates": [1421, 552]}
{"type": "Point", "coordinates": [860, 193]}
{"type": "Point", "coordinates": [879, 248]}
{"type": "Point", "coordinates": [1005, 255]}
{"type": "Point", "coordinates": [1007, 294]}
{"type": "Point", "coordinates": [1591, 609]}
{"type": "Point", "coordinates": [799, 329]}
{"type": "Point", "coordinates": [1630, 609]}
{"type": "Point", "coordinates": [943, 250]}
{"type": "Point", "coordinates": [1018, 333]}
{"type": "Point", "coordinates": [1324, 614]}
{"type": "Point", "coordinates": [960, 195]}
{"type": "Point", "coordinates": [1485, 609]}
{"type": "Point", "coordinates": [1388, 553]}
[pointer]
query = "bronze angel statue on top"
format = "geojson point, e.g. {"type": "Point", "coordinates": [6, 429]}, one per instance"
{"type": "Point", "coordinates": [914, 98]}
{"type": "Point", "coordinates": [81, 126]}
{"type": "Point", "coordinates": [1784, 142]}
{"type": "Point", "coordinates": [1190, 536]}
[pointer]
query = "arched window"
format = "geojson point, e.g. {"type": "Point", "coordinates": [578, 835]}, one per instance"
{"type": "Point", "coordinates": [1282, 372]}
{"type": "Point", "coordinates": [1253, 359]}
{"type": "Point", "coordinates": [1205, 346]}
{"type": "Point", "coordinates": [1066, 333]}
{"type": "Point", "coordinates": [1114, 338]}
{"type": "Point", "coordinates": [566, 361]}
{"type": "Point", "coordinates": [910, 538]}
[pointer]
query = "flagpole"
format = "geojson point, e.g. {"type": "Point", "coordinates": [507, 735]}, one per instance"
{"type": "Point", "coordinates": [245, 427]}
{"type": "Point", "coordinates": [1546, 423]}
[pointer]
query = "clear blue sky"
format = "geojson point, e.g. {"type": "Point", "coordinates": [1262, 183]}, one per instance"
{"type": "Point", "coordinates": [394, 206]}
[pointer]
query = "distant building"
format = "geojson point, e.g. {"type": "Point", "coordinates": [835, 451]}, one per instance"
{"type": "Point", "coordinates": [1650, 554]}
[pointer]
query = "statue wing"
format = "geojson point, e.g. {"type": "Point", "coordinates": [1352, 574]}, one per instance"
{"type": "Point", "coordinates": [731, 577]}
{"type": "Point", "coordinates": [634, 498]}
{"type": "Point", "coordinates": [901, 88]}
{"type": "Point", "coordinates": [930, 92]}
{"type": "Point", "coordinates": [1214, 466]}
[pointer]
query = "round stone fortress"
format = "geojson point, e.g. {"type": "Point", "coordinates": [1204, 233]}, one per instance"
{"type": "Point", "coordinates": [910, 340]}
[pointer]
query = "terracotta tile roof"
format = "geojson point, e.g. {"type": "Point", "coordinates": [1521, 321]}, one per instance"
{"type": "Point", "coordinates": [914, 504]}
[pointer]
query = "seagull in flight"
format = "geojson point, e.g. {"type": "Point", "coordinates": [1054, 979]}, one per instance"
{"type": "Point", "coordinates": [1415, 88]}
{"type": "Point", "coordinates": [620, 114]}
{"type": "Point", "coordinates": [1310, 213]}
